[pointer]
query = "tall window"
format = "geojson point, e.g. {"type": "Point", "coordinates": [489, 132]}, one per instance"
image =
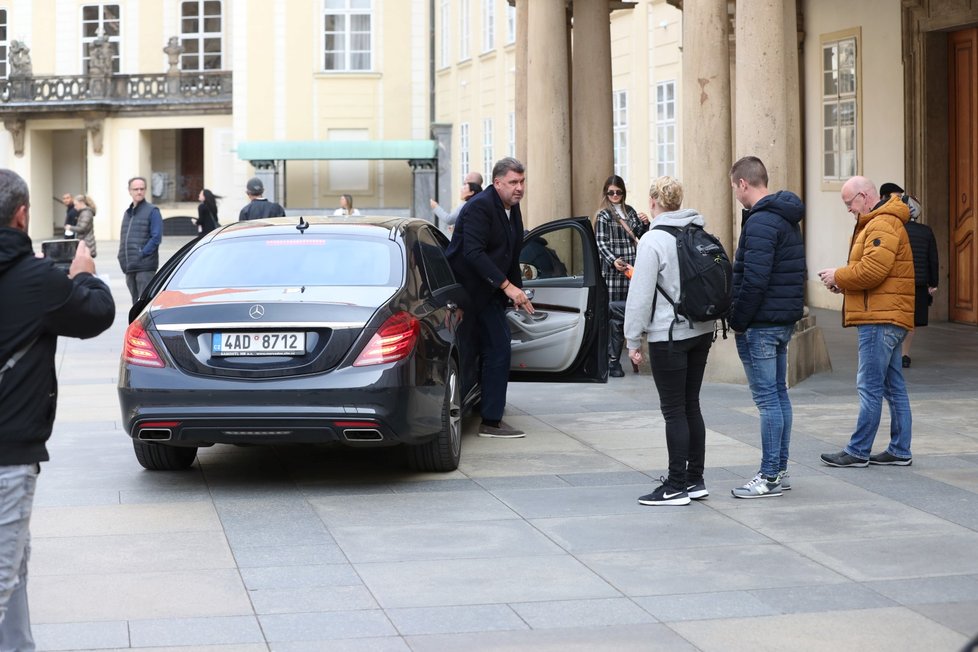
{"type": "Point", "coordinates": [201, 38]}
{"type": "Point", "coordinates": [100, 19]}
{"type": "Point", "coordinates": [463, 147]}
{"type": "Point", "coordinates": [488, 25]}
{"type": "Point", "coordinates": [839, 109]}
{"type": "Point", "coordinates": [510, 24]}
{"type": "Point", "coordinates": [3, 44]}
{"type": "Point", "coordinates": [463, 30]}
{"type": "Point", "coordinates": [487, 159]}
{"type": "Point", "coordinates": [445, 33]}
{"type": "Point", "coordinates": [620, 124]}
{"type": "Point", "coordinates": [511, 134]}
{"type": "Point", "coordinates": [665, 128]}
{"type": "Point", "coordinates": [348, 35]}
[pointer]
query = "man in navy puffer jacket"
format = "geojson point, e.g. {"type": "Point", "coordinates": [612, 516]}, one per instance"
{"type": "Point", "coordinates": [768, 298]}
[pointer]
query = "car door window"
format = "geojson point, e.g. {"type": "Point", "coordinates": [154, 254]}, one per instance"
{"type": "Point", "coordinates": [437, 270]}
{"type": "Point", "coordinates": [554, 254]}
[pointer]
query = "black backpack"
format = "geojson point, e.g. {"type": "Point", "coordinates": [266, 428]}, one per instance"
{"type": "Point", "coordinates": [705, 277]}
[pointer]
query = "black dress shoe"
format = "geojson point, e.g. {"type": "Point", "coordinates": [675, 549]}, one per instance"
{"type": "Point", "coordinates": [905, 361]}
{"type": "Point", "coordinates": [615, 370]}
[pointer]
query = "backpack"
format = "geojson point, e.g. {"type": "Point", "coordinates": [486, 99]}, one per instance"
{"type": "Point", "coordinates": [705, 277]}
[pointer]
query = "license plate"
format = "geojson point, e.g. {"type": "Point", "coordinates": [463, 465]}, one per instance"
{"type": "Point", "coordinates": [258, 343]}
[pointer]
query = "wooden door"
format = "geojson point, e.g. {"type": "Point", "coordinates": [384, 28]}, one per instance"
{"type": "Point", "coordinates": [190, 179]}
{"type": "Point", "coordinates": [963, 182]}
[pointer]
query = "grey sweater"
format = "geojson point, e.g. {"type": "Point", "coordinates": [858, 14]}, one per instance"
{"type": "Point", "coordinates": [658, 262]}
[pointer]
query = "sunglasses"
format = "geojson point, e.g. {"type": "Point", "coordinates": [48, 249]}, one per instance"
{"type": "Point", "coordinates": [615, 193]}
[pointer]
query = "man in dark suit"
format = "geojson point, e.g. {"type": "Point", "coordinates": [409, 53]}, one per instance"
{"type": "Point", "coordinates": [484, 254]}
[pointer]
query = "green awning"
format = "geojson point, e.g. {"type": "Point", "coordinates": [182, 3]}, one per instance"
{"type": "Point", "coordinates": [337, 150]}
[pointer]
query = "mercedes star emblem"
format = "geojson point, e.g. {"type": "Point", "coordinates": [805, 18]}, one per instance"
{"type": "Point", "coordinates": [257, 311]}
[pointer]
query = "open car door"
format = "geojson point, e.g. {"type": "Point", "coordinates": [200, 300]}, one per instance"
{"type": "Point", "coordinates": [566, 338]}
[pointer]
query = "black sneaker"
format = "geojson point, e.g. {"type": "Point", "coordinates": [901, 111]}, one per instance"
{"type": "Point", "coordinates": [665, 495]}
{"type": "Point", "coordinates": [843, 459]}
{"type": "Point", "coordinates": [615, 370]}
{"type": "Point", "coordinates": [502, 431]}
{"type": "Point", "coordinates": [697, 490]}
{"type": "Point", "coordinates": [885, 459]}
{"type": "Point", "coordinates": [905, 362]}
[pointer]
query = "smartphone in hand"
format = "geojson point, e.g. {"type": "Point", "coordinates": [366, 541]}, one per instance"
{"type": "Point", "coordinates": [60, 252]}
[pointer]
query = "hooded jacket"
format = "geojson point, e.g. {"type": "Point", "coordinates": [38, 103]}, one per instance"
{"type": "Point", "coordinates": [769, 266]}
{"type": "Point", "coordinates": [657, 262]}
{"type": "Point", "coordinates": [38, 302]}
{"type": "Point", "coordinates": [879, 279]}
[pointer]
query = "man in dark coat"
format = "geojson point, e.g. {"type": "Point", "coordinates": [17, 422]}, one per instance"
{"type": "Point", "coordinates": [484, 254]}
{"type": "Point", "coordinates": [38, 302]}
{"type": "Point", "coordinates": [768, 298]}
{"type": "Point", "coordinates": [258, 207]}
{"type": "Point", "coordinates": [139, 242]}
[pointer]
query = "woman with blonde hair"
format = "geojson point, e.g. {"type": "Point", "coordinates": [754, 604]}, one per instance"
{"type": "Point", "coordinates": [85, 226]}
{"type": "Point", "coordinates": [346, 206]}
{"type": "Point", "coordinates": [617, 228]}
{"type": "Point", "coordinates": [678, 360]}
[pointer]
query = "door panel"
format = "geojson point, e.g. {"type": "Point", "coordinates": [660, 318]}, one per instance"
{"type": "Point", "coordinates": [566, 339]}
{"type": "Point", "coordinates": [963, 182]}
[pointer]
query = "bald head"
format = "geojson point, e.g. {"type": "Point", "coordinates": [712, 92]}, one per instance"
{"type": "Point", "coordinates": [860, 195]}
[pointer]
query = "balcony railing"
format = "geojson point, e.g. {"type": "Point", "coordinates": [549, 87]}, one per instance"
{"type": "Point", "coordinates": [191, 91]}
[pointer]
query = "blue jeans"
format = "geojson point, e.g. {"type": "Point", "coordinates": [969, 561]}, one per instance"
{"type": "Point", "coordinates": [16, 500]}
{"type": "Point", "coordinates": [764, 353]}
{"type": "Point", "coordinates": [880, 376]}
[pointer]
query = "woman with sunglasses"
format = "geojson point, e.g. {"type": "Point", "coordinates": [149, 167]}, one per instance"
{"type": "Point", "coordinates": [617, 228]}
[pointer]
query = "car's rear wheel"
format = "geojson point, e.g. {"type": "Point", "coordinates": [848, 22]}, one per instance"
{"type": "Point", "coordinates": [443, 452]}
{"type": "Point", "coordinates": [159, 457]}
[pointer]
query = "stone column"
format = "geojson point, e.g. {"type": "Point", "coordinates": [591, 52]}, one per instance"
{"type": "Point", "coordinates": [522, 47]}
{"type": "Point", "coordinates": [442, 134]}
{"type": "Point", "coordinates": [706, 115]}
{"type": "Point", "coordinates": [592, 135]}
{"type": "Point", "coordinates": [547, 115]}
{"type": "Point", "coordinates": [762, 88]}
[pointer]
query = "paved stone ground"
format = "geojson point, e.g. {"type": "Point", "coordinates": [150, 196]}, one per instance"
{"type": "Point", "coordinates": [533, 544]}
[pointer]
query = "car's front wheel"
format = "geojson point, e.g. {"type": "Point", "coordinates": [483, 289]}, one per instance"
{"type": "Point", "coordinates": [159, 457]}
{"type": "Point", "coordinates": [444, 451]}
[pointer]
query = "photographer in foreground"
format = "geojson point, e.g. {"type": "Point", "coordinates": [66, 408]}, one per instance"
{"type": "Point", "coordinates": [38, 303]}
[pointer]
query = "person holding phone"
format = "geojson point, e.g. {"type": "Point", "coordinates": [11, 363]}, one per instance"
{"type": "Point", "coordinates": [38, 303]}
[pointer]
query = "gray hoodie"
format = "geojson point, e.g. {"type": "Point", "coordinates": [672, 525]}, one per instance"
{"type": "Point", "coordinates": [658, 262]}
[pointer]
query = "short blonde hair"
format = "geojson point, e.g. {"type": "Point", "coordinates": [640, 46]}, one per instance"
{"type": "Point", "coordinates": [668, 191]}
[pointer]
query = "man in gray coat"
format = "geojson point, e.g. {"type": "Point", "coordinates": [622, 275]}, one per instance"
{"type": "Point", "coordinates": [139, 242]}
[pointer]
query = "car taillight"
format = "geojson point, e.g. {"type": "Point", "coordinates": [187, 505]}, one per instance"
{"type": "Point", "coordinates": [392, 342]}
{"type": "Point", "coordinates": [138, 349]}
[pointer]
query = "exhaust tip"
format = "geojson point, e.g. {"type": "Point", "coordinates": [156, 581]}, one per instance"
{"type": "Point", "coordinates": [155, 434]}
{"type": "Point", "coordinates": [362, 434]}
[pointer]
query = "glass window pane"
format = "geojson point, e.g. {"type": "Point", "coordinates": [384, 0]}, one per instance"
{"type": "Point", "coordinates": [335, 23]}
{"type": "Point", "coordinates": [191, 46]}
{"type": "Point", "coordinates": [831, 84]}
{"type": "Point", "coordinates": [360, 23]}
{"type": "Point", "coordinates": [333, 42]}
{"type": "Point", "coordinates": [212, 25]}
{"type": "Point", "coordinates": [828, 58]}
{"type": "Point", "coordinates": [847, 164]}
{"type": "Point", "coordinates": [90, 13]}
{"type": "Point", "coordinates": [831, 115]}
{"type": "Point", "coordinates": [828, 140]}
{"type": "Point", "coordinates": [111, 29]}
{"type": "Point", "coordinates": [360, 42]}
{"type": "Point", "coordinates": [360, 61]}
{"type": "Point", "coordinates": [212, 62]}
{"type": "Point", "coordinates": [360, 4]}
{"type": "Point", "coordinates": [829, 162]}
{"type": "Point", "coordinates": [212, 8]}
{"type": "Point", "coordinates": [212, 45]}
{"type": "Point", "coordinates": [189, 9]}
{"type": "Point", "coordinates": [847, 81]}
{"type": "Point", "coordinates": [331, 61]}
{"type": "Point", "coordinates": [90, 30]}
{"type": "Point", "coordinates": [110, 12]}
{"type": "Point", "coordinates": [336, 4]}
{"type": "Point", "coordinates": [190, 62]}
{"type": "Point", "coordinates": [847, 113]}
{"type": "Point", "coordinates": [189, 25]}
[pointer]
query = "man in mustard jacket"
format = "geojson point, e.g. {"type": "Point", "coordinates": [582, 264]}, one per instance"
{"type": "Point", "coordinates": [878, 284]}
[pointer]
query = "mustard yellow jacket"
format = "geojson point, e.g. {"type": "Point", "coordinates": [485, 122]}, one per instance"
{"type": "Point", "coordinates": [879, 281]}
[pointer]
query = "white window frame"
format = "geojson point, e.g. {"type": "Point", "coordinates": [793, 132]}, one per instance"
{"type": "Point", "coordinates": [348, 10]}
{"type": "Point", "coordinates": [445, 34]}
{"type": "Point", "coordinates": [463, 148]}
{"type": "Point", "coordinates": [665, 128]}
{"type": "Point", "coordinates": [510, 24]}
{"type": "Point", "coordinates": [619, 118]}
{"type": "Point", "coordinates": [115, 39]}
{"type": "Point", "coordinates": [488, 25]}
{"type": "Point", "coordinates": [841, 142]}
{"type": "Point", "coordinates": [487, 158]}
{"type": "Point", "coordinates": [511, 133]}
{"type": "Point", "coordinates": [201, 36]}
{"type": "Point", "coordinates": [463, 30]}
{"type": "Point", "coordinates": [4, 44]}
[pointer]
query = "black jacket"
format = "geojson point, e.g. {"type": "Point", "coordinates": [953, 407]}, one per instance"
{"type": "Point", "coordinates": [769, 266]}
{"type": "Point", "coordinates": [206, 219]}
{"type": "Point", "coordinates": [258, 209]}
{"type": "Point", "coordinates": [38, 301]}
{"type": "Point", "coordinates": [924, 247]}
{"type": "Point", "coordinates": [485, 247]}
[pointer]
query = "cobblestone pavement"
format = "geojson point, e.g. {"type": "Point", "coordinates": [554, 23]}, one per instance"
{"type": "Point", "coordinates": [536, 543]}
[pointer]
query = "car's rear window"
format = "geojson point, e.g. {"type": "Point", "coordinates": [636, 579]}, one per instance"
{"type": "Point", "coordinates": [291, 260]}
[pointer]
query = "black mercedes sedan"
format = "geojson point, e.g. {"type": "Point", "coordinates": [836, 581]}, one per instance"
{"type": "Point", "coordinates": [339, 330]}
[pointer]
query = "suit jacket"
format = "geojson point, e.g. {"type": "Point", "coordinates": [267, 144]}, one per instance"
{"type": "Point", "coordinates": [485, 247]}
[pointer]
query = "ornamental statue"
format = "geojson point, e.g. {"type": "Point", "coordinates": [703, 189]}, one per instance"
{"type": "Point", "coordinates": [20, 60]}
{"type": "Point", "coordinates": [100, 57]}
{"type": "Point", "coordinates": [173, 50]}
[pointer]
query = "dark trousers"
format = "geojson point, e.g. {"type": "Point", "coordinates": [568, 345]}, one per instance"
{"type": "Point", "coordinates": [616, 333]}
{"type": "Point", "coordinates": [677, 369]}
{"type": "Point", "coordinates": [490, 338]}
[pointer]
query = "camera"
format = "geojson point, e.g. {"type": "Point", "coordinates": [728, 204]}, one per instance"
{"type": "Point", "coordinates": [60, 252]}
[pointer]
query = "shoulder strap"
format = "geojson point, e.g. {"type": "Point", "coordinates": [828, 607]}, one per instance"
{"type": "Point", "coordinates": [17, 355]}
{"type": "Point", "coordinates": [624, 225]}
